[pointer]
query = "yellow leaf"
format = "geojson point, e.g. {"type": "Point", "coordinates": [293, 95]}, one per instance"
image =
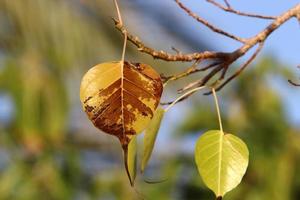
{"type": "Point", "coordinates": [121, 99]}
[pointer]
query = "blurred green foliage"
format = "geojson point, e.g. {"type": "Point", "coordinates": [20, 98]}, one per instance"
{"type": "Point", "coordinates": [46, 46]}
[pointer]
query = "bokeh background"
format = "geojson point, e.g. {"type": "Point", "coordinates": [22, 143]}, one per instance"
{"type": "Point", "coordinates": [48, 148]}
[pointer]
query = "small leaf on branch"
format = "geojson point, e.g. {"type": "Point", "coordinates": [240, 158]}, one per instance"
{"type": "Point", "coordinates": [222, 160]}
{"type": "Point", "coordinates": [150, 136]}
{"type": "Point", "coordinates": [132, 159]}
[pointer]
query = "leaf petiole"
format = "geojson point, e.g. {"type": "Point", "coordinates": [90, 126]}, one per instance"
{"type": "Point", "coordinates": [182, 96]}
{"type": "Point", "coordinates": [218, 109]}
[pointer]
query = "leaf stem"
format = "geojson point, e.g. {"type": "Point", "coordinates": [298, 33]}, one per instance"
{"type": "Point", "coordinates": [218, 109]}
{"type": "Point", "coordinates": [118, 12]}
{"type": "Point", "coordinates": [125, 34]}
{"type": "Point", "coordinates": [124, 49]}
{"type": "Point", "coordinates": [184, 95]}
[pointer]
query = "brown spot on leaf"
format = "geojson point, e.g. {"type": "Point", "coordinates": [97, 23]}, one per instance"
{"type": "Point", "coordinates": [144, 113]}
{"type": "Point", "coordinates": [89, 108]}
{"type": "Point", "coordinates": [122, 112]}
{"type": "Point", "coordinates": [87, 99]}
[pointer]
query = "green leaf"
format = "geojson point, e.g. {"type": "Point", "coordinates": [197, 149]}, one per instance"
{"type": "Point", "coordinates": [222, 160]}
{"type": "Point", "coordinates": [150, 136]}
{"type": "Point", "coordinates": [132, 159]}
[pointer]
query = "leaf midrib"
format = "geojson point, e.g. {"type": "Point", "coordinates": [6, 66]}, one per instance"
{"type": "Point", "coordinates": [122, 97]}
{"type": "Point", "coordinates": [220, 162]}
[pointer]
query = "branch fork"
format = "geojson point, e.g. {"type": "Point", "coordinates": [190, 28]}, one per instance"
{"type": "Point", "coordinates": [218, 62]}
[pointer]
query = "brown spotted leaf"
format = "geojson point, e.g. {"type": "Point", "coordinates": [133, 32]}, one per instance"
{"type": "Point", "coordinates": [120, 99]}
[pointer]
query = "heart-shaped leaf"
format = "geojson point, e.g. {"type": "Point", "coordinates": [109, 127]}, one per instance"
{"type": "Point", "coordinates": [150, 136]}
{"type": "Point", "coordinates": [222, 160]}
{"type": "Point", "coordinates": [120, 98]}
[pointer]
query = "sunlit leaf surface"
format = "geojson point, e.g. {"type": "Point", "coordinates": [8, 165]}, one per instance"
{"type": "Point", "coordinates": [150, 136]}
{"type": "Point", "coordinates": [222, 160]}
{"type": "Point", "coordinates": [120, 99]}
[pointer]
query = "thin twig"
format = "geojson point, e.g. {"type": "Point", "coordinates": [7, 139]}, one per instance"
{"type": "Point", "coordinates": [231, 10]}
{"type": "Point", "coordinates": [238, 72]}
{"type": "Point", "coordinates": [202, 81]}
{"type": "Point", "coordinates": [167, 56]}
{"type": "Point", "coordinates": [293, 83]}
{"type": "Point", "coordinates": [207, 24]}
{"type": "Point", "coordinates": [190, 70]}
{"type": "Point", "coordinates": [227, 3]}
{"type": "Point", "coordinates": [170, 102]}
{"type": "Point", "coordinates": [183, 96]}
{"type": "Point", "coordinates": [210, 66]}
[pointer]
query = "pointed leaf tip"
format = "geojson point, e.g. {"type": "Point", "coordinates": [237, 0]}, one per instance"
{"type": "Point", "coordinates": [222, 160]}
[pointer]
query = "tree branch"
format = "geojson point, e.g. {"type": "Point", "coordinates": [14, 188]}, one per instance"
{"type": "Point", "coordinates": [207, 24]}
{"type": "Point", "coordinates": [257, 39]}
{"type": "Point", "coordinates": [239, 71]}
{"type": "Point", "coordinates": [223, 60]}
{"type": "Point", "coordinates": [167, 56]}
